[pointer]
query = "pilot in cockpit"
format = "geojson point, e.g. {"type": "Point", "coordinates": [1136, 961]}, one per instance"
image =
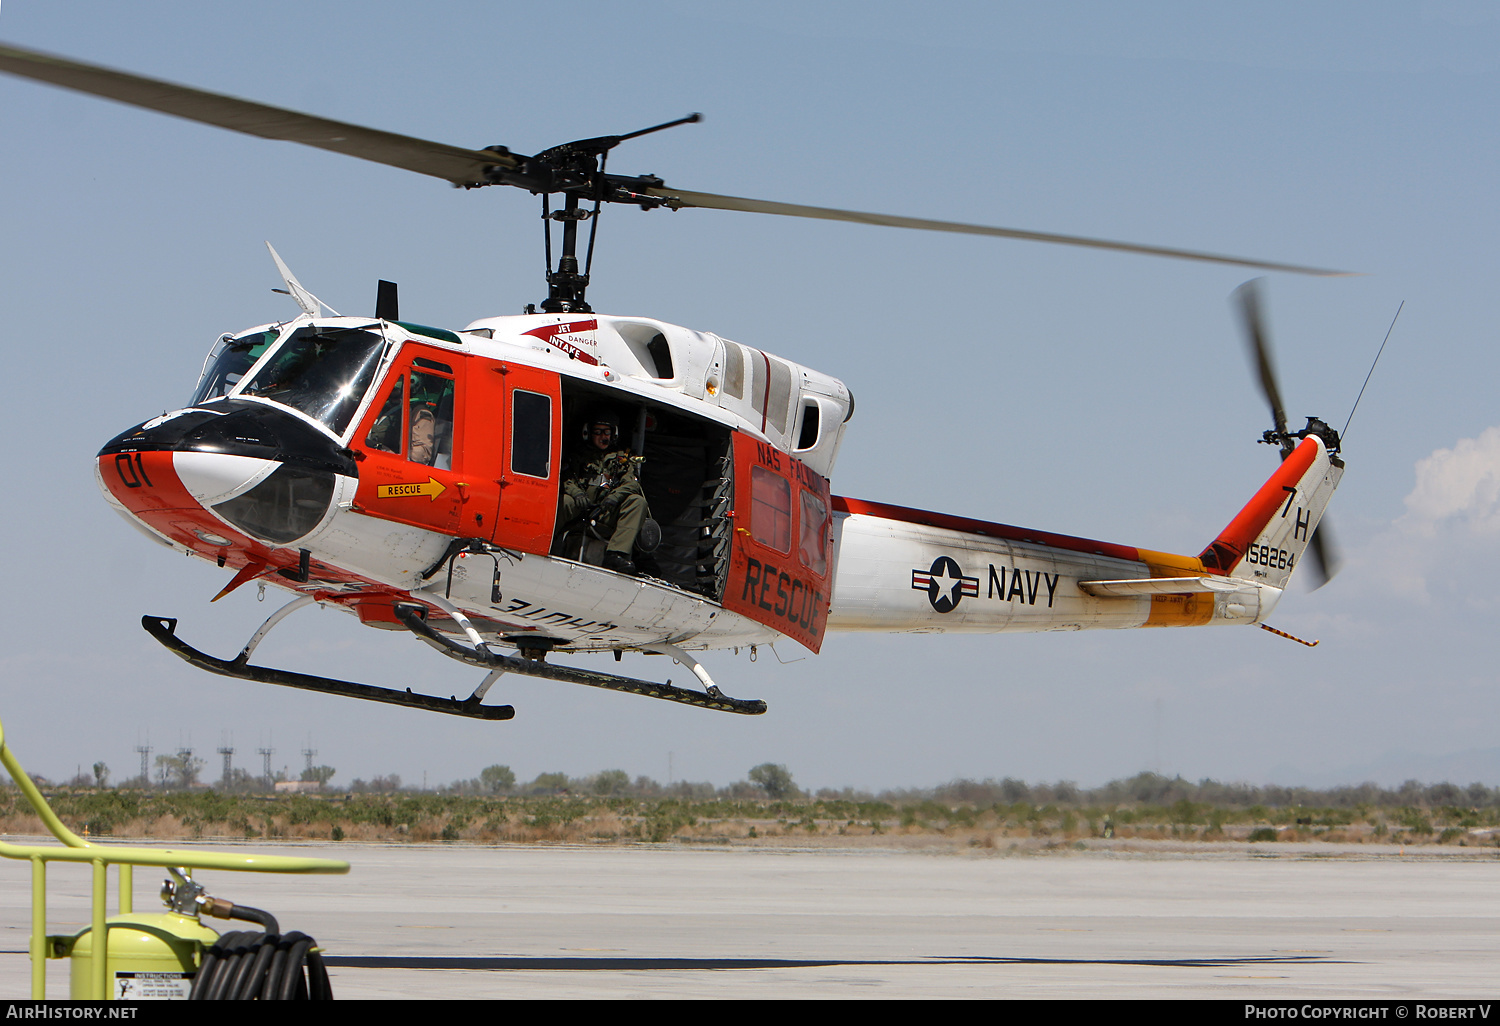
{"type": "Point", "coordinates": [423, 448]}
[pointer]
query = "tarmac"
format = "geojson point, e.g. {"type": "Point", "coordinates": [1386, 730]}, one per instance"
{"type": "Point", "coordinates": [1233, 922]}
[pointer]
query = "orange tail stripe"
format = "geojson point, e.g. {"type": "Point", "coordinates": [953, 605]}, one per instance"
{"type": "Point", "coordinates": [1230, 545]}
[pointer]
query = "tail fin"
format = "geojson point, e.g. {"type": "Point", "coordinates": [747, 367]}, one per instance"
{"type": "Point", "coordinates": [1268, 538]}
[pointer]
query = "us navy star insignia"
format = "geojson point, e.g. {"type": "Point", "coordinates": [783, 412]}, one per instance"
{"type": "Point", "coordinates": [944, 583]}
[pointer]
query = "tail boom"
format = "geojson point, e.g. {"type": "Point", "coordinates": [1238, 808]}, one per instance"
{"type": "Point", "coordinates": [916, 571]}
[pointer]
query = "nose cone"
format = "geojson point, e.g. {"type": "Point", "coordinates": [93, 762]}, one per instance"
{"type": "Point", "coordinates": [265, 472]}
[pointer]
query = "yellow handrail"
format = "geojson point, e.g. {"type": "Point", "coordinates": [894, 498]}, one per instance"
{"type": "Point", "coordinates": [23, 781]}
{"type": "Point", "coordinates": [76, 849]}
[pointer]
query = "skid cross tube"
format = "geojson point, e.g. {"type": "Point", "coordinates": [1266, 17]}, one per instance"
{"type": "Point", "coordinates": [412, 616]}
{"type": "Point", "coordinates": [164, 629]}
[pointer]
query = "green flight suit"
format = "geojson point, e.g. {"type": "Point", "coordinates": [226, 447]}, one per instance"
{"type": "Point", "coordinates": [608, 478]}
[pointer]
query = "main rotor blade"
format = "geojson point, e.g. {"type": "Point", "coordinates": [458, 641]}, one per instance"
{"type": "Point", "coordinates": [469, 167]}
{"type": "Point", "coordinates": [683, 198]}
{"type": "Point", "coordinates": [1252, 319]}
{"type": "Point", "coordinates": [452, 163]}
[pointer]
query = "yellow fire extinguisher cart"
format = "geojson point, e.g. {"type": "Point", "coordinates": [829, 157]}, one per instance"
{"type": "Point", "coordinates": [147, 955]}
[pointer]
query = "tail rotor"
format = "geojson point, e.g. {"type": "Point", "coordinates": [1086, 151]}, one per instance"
{"type": "Point", "coordinates": [1248, 302]}
{"type": "Point", "coordinates": [1325, 555]}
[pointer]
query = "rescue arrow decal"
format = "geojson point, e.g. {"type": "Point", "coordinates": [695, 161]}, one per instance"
{"type": "Point", "coordinates": [431, 488]}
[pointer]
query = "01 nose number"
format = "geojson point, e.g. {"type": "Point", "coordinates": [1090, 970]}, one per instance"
{"type": "Point", "coordinates": [132, 476]}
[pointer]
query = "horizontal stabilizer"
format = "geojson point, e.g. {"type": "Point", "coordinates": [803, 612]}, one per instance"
{"type": "Point", "coordinates": [1158, 586]}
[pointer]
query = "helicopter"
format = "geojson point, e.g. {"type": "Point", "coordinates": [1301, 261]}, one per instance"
{"type": "Point", "coordinates": [296, 462]}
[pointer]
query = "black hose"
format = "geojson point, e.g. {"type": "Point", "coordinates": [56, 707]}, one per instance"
{"type": "Point", "coordinates": [206, 973]}
{"type": "Point", "coordinates": [250, 984]}
{"type": "Point", "coordinates": [254, 915]}
{"type": "Point", "coordinates": [270, 986]}
{"type": "Point", "coordinates": [246, 965]}
{"type": "Point", "coordinates": [294, 984]}
{"type": "Point", "coordinates": [243, 957]}
{"type": "Point", "coordinates": [317, 977]}
{"type": "Point", "coordinates": [219, 966]}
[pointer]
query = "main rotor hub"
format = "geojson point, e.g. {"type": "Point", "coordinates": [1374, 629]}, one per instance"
{"type": "Point", "coordinates": [576, 170]}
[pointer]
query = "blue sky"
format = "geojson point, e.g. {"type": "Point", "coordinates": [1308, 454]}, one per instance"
{"type": "Point", "coordinates": [1082, 392]}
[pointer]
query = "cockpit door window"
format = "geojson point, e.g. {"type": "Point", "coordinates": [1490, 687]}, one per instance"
{"type": "Point", "coordinates": [417, 424]}
{"type": "Point", "coordinates": [430, 435]}
{"type": "Point", "coordinates": [414, 469]}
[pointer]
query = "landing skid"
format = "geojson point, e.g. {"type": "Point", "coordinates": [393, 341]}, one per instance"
{"type": "Point", "coordinates": [411, 616]}
{"type": "Point", "coordinates": [163, 629]}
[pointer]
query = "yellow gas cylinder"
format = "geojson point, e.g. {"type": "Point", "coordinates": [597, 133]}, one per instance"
{"type": "Point", "coordinates": [151, 957]}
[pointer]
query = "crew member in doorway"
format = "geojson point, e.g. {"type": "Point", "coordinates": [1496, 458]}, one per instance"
{"type": "Point", "coordinates": [601, 489]}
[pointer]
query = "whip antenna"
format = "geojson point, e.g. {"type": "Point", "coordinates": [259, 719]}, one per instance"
{"type": "Point", "coordinates": [1372, 367]}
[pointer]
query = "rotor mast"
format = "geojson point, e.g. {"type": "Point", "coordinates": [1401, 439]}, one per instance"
{"type": "Point", "coordinates": [566, 285]}
{"type": "Point", "coordinates": [576, 170]}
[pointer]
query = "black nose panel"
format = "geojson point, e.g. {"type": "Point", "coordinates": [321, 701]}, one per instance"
{"type": "Point", "coordinates": [240, 428]}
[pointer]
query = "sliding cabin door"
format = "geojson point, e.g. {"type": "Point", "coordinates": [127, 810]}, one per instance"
{"type": "Point", "coordinates": [780, 567]}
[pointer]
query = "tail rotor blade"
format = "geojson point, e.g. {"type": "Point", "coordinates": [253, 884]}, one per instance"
{"type": "Point", "coordinates": [1325, 555]}
{"type": "Point", "coordinates": [1257, 339]}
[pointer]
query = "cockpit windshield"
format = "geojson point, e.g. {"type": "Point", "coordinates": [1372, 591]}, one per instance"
{"type": "Point", "coordinates": [227, 364]}
{"type": "Point", "coordinates": [324, 372]}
